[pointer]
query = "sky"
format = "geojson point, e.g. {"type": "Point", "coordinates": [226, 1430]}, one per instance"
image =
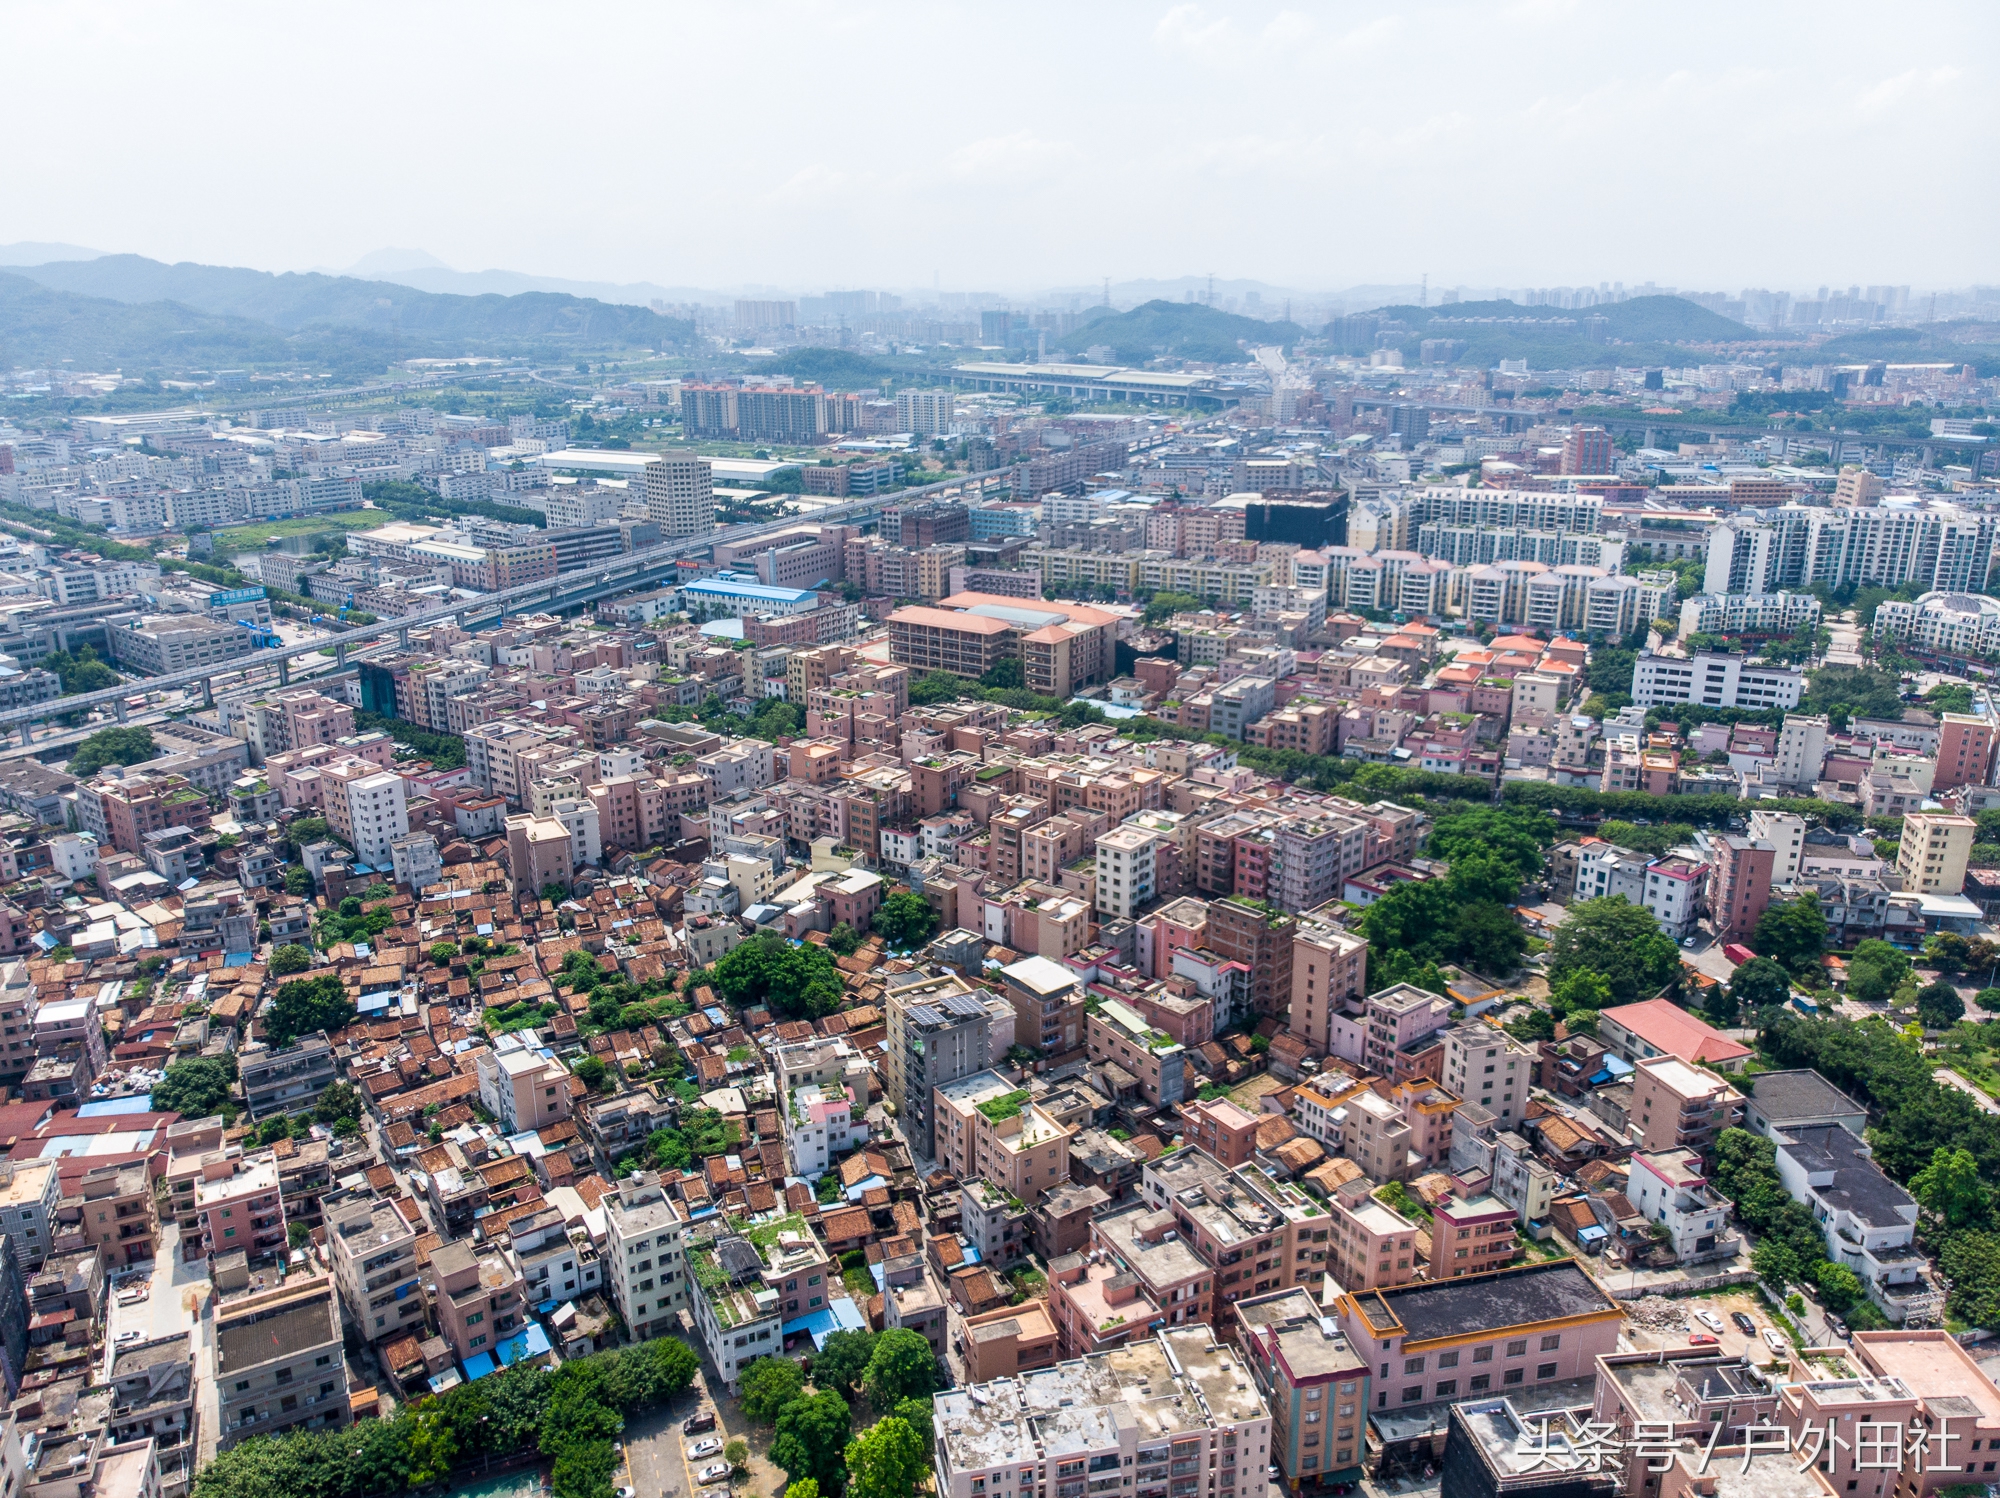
{"type": "Point", "coordinates": [1025, 146]}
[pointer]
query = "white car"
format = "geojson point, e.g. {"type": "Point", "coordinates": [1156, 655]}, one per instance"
{"type": "Point", "coordinates": [1710, 1320]}
{"type": "Point", "coordinates": [1773, 1341]}
{"type": "Point", "coordinates": [699, 1449]}
{"type": "Point", "coordinates": [713, 1472]}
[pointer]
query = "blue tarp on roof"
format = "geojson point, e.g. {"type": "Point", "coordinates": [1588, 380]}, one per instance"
{"type": "Point", "coordinates": [236, 959]}
{"type": "Point", "coordinates": [860, 1188]}
{"type": "Point", "coordinates": [1590, 1234]}
{"type": "Point", "coordinates": [841, 1316]}
{"type": "Point", "coordinates": [139, 1103]}
{"type": "Point", "coordinates": [531, 1343]}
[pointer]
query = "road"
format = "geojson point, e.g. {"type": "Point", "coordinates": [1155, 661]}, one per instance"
{"type": "Point", "coordinates": [1980, 1100]}
{"type": "Point", "coordinates": [1845, 646]}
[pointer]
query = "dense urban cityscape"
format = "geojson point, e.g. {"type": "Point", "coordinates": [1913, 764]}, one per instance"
{"type": "Point", "coordinates": [733, 877]}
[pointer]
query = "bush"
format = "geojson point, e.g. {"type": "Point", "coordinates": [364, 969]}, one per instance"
{"type": "Point", "coordinates": [288, 959]}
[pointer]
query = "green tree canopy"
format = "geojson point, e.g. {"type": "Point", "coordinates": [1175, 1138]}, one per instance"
{"type": "Point", "coordinates": [887, 1460]}
{"type": "Point", "coordinates": [305, 1005]}
{"type": "Point", "coordinates": [843, 940]}
{"type": "Point", "coordinates": [1579, 988]}
{"type": "Point", "coordinates": [906, 920]}
{"type": "Point", "coordinates": [768, 1385]}
{"type": "Point", "coordinates": [1950, 1188]}
{"type": "Point", "coordinates": [1164, 604]}
{"type": "Point", "coordinates": [337, 1101]}
{"type": "Point", "coordinates": [194, 1087]}
{"type": "Point", "coordinates": [1939, 1006]}
{"type": "Point", "coordinates": [288, 959]}
{"type": "Point", "coordinates": [112, 746]}
{"type": "Point", "coordinates": [902, 1367]}
{"type": "Point", "coordinates": [1846, 692]}
{"type": "Point", "coordinates": [1792, 932]}
{"type": "Point", "coordinates": [811, 1438]}
{"type": "Point", "coordinates": [1005, 673]}
{"type": "Point", "coordinates": [1618, 939]}
{"type": "Point", "coordinates": [797, 982]}
{"type": "Point", "coordinates": [1507, 832]}
{"type": "Point", "coordinates": [843, 1360]}
{"type": "Point", "coordinates": [1759, 984]}
{"type": "Point", "coordinates": [1875, 971]}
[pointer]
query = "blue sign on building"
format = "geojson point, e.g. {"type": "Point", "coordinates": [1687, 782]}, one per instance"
{"type": "Point", "coordinates": [234, 595]}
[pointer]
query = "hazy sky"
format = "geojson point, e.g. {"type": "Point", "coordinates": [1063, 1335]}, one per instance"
{"type": "Point", "coordinates": [1020, 146]}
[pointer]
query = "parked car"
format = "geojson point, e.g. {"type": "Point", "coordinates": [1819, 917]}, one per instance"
{"type": "Point", "coordinates": [1743, 1323]}
{"type": "Point", "coordinates": [700, 1420]}
{"type": "Point", "coordinates": [1709, 1319]}
{"type": "Point", "coordinates": [1701, 1339]}
{"type": "Point", "coordinates": [699, 1449]}
{"type": "Point", "coordinates": [1773, 1341]}
{"type": "Point", "coordinates": [713, 1472]}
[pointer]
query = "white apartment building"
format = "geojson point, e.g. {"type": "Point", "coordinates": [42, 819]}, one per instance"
{"type": "Point", "coordinates": [553, 1262]}
{"type": "Point", "coordinates": [378, 812]}
{"type": "Point", "coordinates": [1950, 623]}
{"type": "Point", "coordinates": [1483, 1064]}
{"type": "Point", "coordinates": [1668, 1189]}
{"type": "Point", "coordinates": [1126, 871]}
{"type": "Point", "coordinates": [1785, 833]}
{"type": "Point", "coordinates": [645, 1260]}
{"type": "Point", "coordinates": [1801, 750]}
{"type": "Point", "coordinates": [680, 494]}
{"type": "Point", "coordinates": [30, 1192]}
{"type": "Point", "coordinates": [579, 817]}
{"type": "Point", "coordinates": [1714, 681]}
{"type": "Point", "coordinates": [1749, 613]}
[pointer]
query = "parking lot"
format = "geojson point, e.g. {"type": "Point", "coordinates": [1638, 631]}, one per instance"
{"type": "Point", "coordinates": [1730, 1341]}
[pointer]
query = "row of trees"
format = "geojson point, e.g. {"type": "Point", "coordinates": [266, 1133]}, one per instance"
{"type": "Point", "coordinates": [1465, 916]}
{"type": "Point", "coordinates": [570, 1416]}
{"type": "Point", "coordinates": [1791, 1249]}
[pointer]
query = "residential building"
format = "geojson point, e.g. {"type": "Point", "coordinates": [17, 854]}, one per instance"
{"type": "Point", "coordinates": [373, 1250]}
{"type": "Point", "coordinates": [1779, 1101]}
{"type": "Point", "coordinates": [1869, 1221]}
{"type": "Point", "coordinates": [481, 1303]}
{"type": "Point", "coordinates": [1668, 1188]}
{"type": "Point", "coordinates": [1438, 1341]}
{"type": "Point", "coordinates": [1471, 1236]}
{"type": "Point", "coordinates": [1658, 1027]}
{"type": "Point", "coordinates": [647, 1267]}
{"type": "Point", "coordinates": [240, 1206]}
{"type": "Point", "coordinates": [30, 1192]}
{"type": "Point", "coordinates": [279, 1365]}
{"type": "Point", "coordinates": [111, 1206]}
{"type": "Point", "coordinates": [1220, 1128]}
{"type": "Point", "coordinates": [987, 1128]}
{"type": "Point", "coordinates": [287, 1079]}
{"type": "Point", "coordinates": [1199, 1421]}
{"type": "Point", "coordinates": [938, 1033]}
{"type": "Point", "coordinates": [1933, 852]}
{"type": "Point", "coordinates": [1966, 746]}
{"type": "Point", "coordinates": [1678, 1106]}
{"type": "Point", "coordinates": [1010, 1341]}
{"type": "Point", "coordinates": [1118, 1034]}
{"type": "Point", "coordinates": [1372, 1244]}
{"type": "Point", "coordinates": [522, 1084]}
{"type": "Point", "coordinates": [1097, 1304]}
{"type": "Point", "coordinates": [1732, 681]}
{"type": "Point", "coordinates": [743, 1296]}
{"type": "Point", "coordinates": [1314, 1381]}
{"type": "Point", "coordinates": [1483, 1064]}
{"type": "Point", "coordinates": [1739, 887]}
{"type": "Point", "coordinates": [1048, 1005]}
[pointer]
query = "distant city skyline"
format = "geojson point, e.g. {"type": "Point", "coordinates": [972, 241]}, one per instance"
{"type": "Point", "coordinates": [1314, 149]}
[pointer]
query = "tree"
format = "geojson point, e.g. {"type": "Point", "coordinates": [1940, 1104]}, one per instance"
{"type": "Point", "coordinates": [1950, 1187]}
{"type": "Point", "coordinates": [1775, 1262]}
{"type": "Point", "coordinates": [298, 881]}
{"type": "Point", "coordinates": [1792, 932]}
{"type": "Point", "coordinates": [805, 1488]}
{"type": "Point", "coordinates": [843, 940]}
{"type": "Point", "coordinates": [1760, 983]}
{"type": "Point", "coordinates": [1165, 604]}
{"type": "Point", "coordinates": [1005, 674]}
{"type": "Point", "coordinates": [737, 1454]}
{"type": "Point", "coordinates": [1511, 833]}
{"type": "Point", "coordinates": [1718, 1003]}
{"type": "Point", "coordinates": [195, 1087]}
{"type": "Point", "coordinates": [842, 1361]}
{"type": "Point", "coordinates": [887, 1460]}
{"type": "Point", "coordinates": [1875, 971]}
{"type": "Point", "coordinates": [935, 687]}
{"type": "Point", "coordinates": [1487, 938]}
{"type": "Point", "coordinates": [1535, 1025]}
{"type": "Point", "coordinates": [443, 951]}
{"type": "Point", "coordinates": [112, 746]}
{"type": "Point", "coordinates": [902, 1367]}
{"type": "Point", "coordinates": [906, 920]}
{"type": "Point", "coordinates": [555, 892]}
{"type": "Point", "coordinates": [337, 1101]}
{"type": "Point", "coordinates": [1853, 692]}
{"type": "Point", "coordinates": [1580, 988]}
{"type": "Point", "coordinates": [1622, 941]}
{"type": "Point", "coordinates": [1939, 1006]}
{"type": "Point", "coordinates": [811, 1438]}
{"type": "Point", "coordinates": [1971, 1261]}
{"type": "Point", "coordinates": [288, 959]}
{"type": "Point", "coordinates": [1839, 1286]}
{"type": "Point", "coordinates": [81, 671]}
{"type": "Point", "coordinates": [768, 1385]}
{"type": "Point", "coordinates": [590, 1071]}
{"type": "Point", "coordinates": [798, 982]}
{"type": "Point", "coordinates": [1988, 999]}
{"type": "Point", "coordinates": [305, 1005]}
{"type": "Point", "coordinates": [917, 1414]}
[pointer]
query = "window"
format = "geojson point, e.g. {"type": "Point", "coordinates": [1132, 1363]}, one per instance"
{"type": "Point", "coordinates": [1518, 1348]}
{"type": "Point", "coordinates": [1482, 1354]}
{"type": "Point", "coordinates": [1512, 1376]}
{"type": "Point", "coordinates": [1413, 1365]}
{"type": "Point", "coordinates": [1551, 1342]}
{"type": "Point", "coordinates": [1412, 1395]}
{"type": "Point", "coordinates": [1447, 1387]}
{"type": "Point", "coordinates": [1448, 1359]}
{"type": "Point", "coordinates": [1545, 1370]}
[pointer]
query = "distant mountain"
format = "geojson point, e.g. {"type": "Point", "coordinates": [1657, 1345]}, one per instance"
{"type": "Point", "coordinates": [1182, 330]}
{"type": "Point", "coordinates": [837, 369]}
{"type": "Point", "coordinates": [387, 264]}
{"type": "Point", "coordinates": [1644, 319]}
{"type": "Point", "coordinates": [29, 252]}
{"type": "Point", "coordinates": [41, 326]}
{"type": "Point", "coordinates": [295, 302]}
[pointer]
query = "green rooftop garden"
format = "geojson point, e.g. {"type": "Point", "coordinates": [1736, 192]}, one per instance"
{"type": "Point", "coordinates": [1007, 1105]}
